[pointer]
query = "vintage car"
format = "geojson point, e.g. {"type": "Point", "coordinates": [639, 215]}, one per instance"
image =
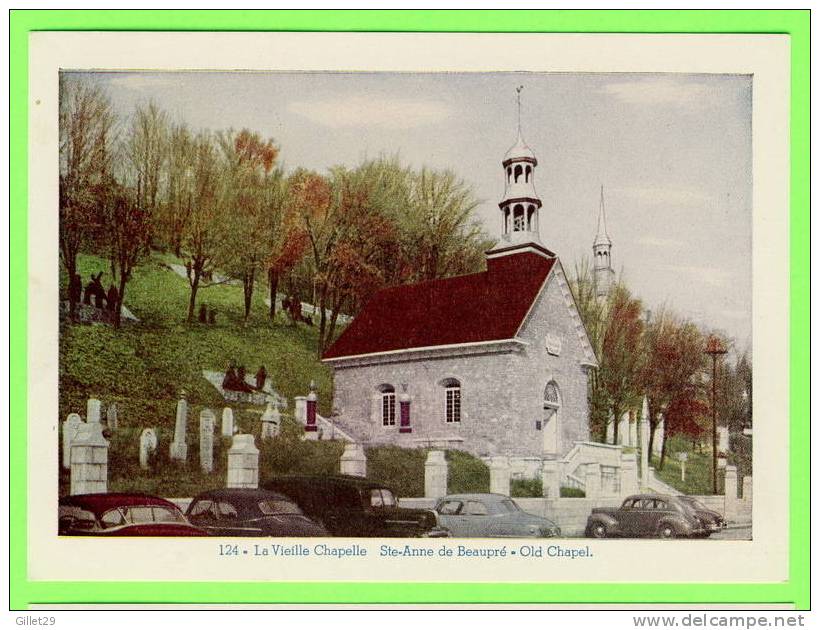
{"type": "Point", "coordinates": [355, 506]}
{"type": "Point", "coordinates": [713, 521]}
{"type": "Point", "coordinates": [491, 516]}
{"type": "Point", "coordinates": [659, 515]}
{"type": "Point", "coordinates": [248, 512]}
{"type": "Point", "coordinates": [121, 514]}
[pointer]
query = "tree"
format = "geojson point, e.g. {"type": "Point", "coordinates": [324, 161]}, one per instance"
{"type": "Point", "coordinates": [200, 234]}
{"type": "Point", "coordinates": [175, 208]}
{"type": "Point", "coordinates": [674, 360]}
{"type": "Point", "coordinates": [147, 153]}
{"type": "Point", "coordinates": [620, 361]}
{"type": "Point", "coordinates": [128, 235]}
{"type": "Point", "coordinates": [86, 123]}
{"type": "Point", "coordinates": [251, 201]}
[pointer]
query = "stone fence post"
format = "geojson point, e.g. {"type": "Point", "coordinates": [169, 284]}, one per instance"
{"type": "Point", "coordinates": [353, 461]}
{"type": "Point", "coordinates": [300, 408]}
{"type": "Point", "coordinates": [92, 414]}
{"type": "Point", "coordinates": [500, 475]}
{"type": "Point", "coordinates": [435, 475]}
{"type": "Point", "coordinates": [89, 460]}
{"type": "Point", "coordinates": [730, 498]}
{"type": "Point", "coordinates": [243, 463]}
{"type": "Point", "coordinates": [551, 479]}
{"type": "Point", "coordinates": [629, 474]}
{"type": "Point", "coordinates": [71, 425]}
{"type": "Point", "coordinates": [592, 481]}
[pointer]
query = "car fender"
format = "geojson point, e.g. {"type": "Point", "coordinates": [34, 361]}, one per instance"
{"type": "Point", "coordinates": [611, 523]}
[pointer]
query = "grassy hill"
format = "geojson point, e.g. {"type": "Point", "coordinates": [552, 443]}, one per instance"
{"type": "Point", "coordinates": [144, 365]}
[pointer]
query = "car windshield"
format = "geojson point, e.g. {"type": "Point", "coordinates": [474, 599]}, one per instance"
{"type": "Point", "coordinates": [277, 506]}
{"type": "Point", "coordinates": [382, 497]}
{"type": "Point", "coordinates": [695, 503]}
{"type": "Point", "coordinates": [141, 515]}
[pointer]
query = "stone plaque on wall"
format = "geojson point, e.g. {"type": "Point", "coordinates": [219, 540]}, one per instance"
{"type": "Point", "coordinates": [553, 343]}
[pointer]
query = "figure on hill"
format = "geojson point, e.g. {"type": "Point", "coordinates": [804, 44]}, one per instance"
{"type": "Point", "coordinates": [113, 298]}
{"type": "Point", "coordinates": [212, 316]}
{"type": "Point", "coordinates": [94, 289]}
{"type": "Point", "coordinates": [229, 380]}
{"type": "Point", "coordinates": [261, 377]}
{"type": "Point", "coordinates": [296, 309]}
{"type": "Point", "coordinates": [203, 314]}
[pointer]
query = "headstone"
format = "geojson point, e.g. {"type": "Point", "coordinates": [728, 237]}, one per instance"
{"type": "Point", "coordinates": [435, 475]}
{"type": "Point", "coordinates": [730, 493]}
{"type": "Point", "coordinates": [243, 463]}
{"type": "Point", "coordinates": [271, 421]}
{"type": "Point", "coordinates": [644, 421]}
{"type": "Point", "coordinates": [179, 447]}
{"type": "Point", "coordinates": [300, 408]}
{"type": "Point", "coordinates": [682, 457]}
{"type": "Point", "coordinates": [633, 435]}
{"type": "Point", "coordinates": [623, 430]}
{"type": "Point", "coordinates": [723, 439]}
{"type": "Point", "coordinates": [592, 481]}
{"type": "Point", "coordinates": [227, 422]}
{"type": "Point", "coordinates": [92, 415]}
{"type": "Point", "coordinates": [111, 417]}
{"type": "Point", "coordinates": [89, 460]}
{"type": "Point", "coordinates": [500, 475]}
{"type": "Point", "coordinates": [610, 432]}
{"type": "Point", "coordinates": [206, 440]}
{"type": "Point", "coordinates": [70, 427]}
{"type": "Point", "coordinates": [550, 479]}
{"type": "Point", "coordinates": [353, 461]}
{"type": "Point", "coordinates": [148, 446]}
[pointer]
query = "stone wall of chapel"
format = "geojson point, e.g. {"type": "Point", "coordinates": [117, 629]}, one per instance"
{"type": "Point", "coordinates": [501, 393]}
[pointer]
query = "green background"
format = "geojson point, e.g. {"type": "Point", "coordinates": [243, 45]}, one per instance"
{"type": "Point", "coordinates": [24, 592]}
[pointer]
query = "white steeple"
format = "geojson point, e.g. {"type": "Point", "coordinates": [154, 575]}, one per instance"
{"type": "Point", "coordinates": [602, 253]}
{"type": "Point", "coordinates": [520, 203]}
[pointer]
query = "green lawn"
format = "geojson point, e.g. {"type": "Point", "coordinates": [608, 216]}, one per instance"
{"type": "Point", "coordinates": [143, 366]}
{"type": "Point", "coordinates": [698, 469]}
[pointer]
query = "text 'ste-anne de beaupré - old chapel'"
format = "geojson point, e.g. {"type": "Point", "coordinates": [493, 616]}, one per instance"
{"type": "Point", "coordinates": [492, 363]}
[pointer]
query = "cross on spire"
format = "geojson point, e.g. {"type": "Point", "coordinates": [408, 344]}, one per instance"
{"type": "Point", "coordinates": [518, 97]}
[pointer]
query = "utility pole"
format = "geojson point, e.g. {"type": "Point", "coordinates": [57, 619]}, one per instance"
{"type": "Point", "coordinates": [714, 348]}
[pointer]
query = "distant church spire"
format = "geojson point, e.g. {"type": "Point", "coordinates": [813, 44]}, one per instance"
{"type": "Point", "coordinates": [602, 254]}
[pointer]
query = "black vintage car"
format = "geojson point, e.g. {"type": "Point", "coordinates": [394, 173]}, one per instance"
{"type": "Point", "coordinates": [355, 506]}
{"type": "Point", "coordinates": [713, 521]}
{"type": "Point", "coordinates": [659, 515]}
{"type": "Point", "coordinates": [247, 512]}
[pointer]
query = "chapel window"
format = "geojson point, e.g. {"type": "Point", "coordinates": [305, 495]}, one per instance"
{"type": "Point", "coordinates": [527, 173]}
{"type": "Point", "coordinates": [518, 218]}
{"type": "Point", "coordinates": [388, 393]}
{"type": "Point", "coordinates": [518, 172]}
{"type": "Point", "coordinates": [452, 400]}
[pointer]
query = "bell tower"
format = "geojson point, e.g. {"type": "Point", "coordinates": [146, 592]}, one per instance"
{"type": "Point", "coordinates": [602, 254]}
{"type": "Point", "coordinates": [520, 204]}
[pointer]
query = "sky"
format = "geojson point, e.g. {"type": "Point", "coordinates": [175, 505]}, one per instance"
{"type": "Point", "coordinates": [672, 151]}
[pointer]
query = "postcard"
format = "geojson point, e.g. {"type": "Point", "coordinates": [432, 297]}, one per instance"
{"type": "Point", "coordinates": [381, 307]}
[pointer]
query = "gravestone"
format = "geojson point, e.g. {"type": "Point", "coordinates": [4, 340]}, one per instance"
{"type": "Point", "coordinates": [89, 460]}
{"type": "Point", "coordinates": [206, 440]}
{"type": "Point", "coordinates": [227, 422]}
{"type": "Point", "coordinates": [353, 461]}
{"type": "Point", "coordinates": [300, 408]}
{"type": "Point", "coordinates": [148, 446]}
{"type": "Point", "coordinates": [500, 475]}
{"type": "Point", "coordinates": [111, 417]}
{"type": "Point", "coordinates": [92, 415]}
{"type": "Point", "coordinates": [70, 427]}
{"type": "Point", "coordinates": [623, 430]}
{"type": "Point", "coordinates": [657, 445]}
{"type": "Point", "coordinates": [271, 421]}
{"type": "Point", "coordinates": [243, 463]}
{"type": "Point", "coordinates": [435, 475]}
{"type": "Point", "coordinates": [179, 448]}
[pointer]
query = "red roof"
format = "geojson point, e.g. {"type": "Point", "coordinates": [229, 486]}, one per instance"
{"type": "Point", "coordinates": [479, 307]}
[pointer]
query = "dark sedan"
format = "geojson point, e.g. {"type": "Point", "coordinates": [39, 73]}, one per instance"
{"type": "Point", "coordinates": [713, 521]}
{"type": "Point", "coordinates": [122, 514]}
{"type": "Point", "coordinates": [247, 512]}
{"type": "Point", "coordinates": [660, 515]}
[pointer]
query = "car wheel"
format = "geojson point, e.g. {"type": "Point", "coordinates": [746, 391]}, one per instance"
{"type": "Point", "coordinates": [598, 530]}
{"type": "Point", "coordinates": [666, 531]}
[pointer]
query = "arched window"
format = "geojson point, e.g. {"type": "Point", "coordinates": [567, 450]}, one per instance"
{"type": "Point", "coordinates": [527, 173]}
{"type": "Point", "coordinates": [509, 173]}
{"type": "Point", "coordinates": [452, 398]}
{"type": "Point", "coordinates": [506, 220]}
{"type": "Point", "coordinates": [530, 213]}
{"type": "Point", "coordinates": [388, 393]}
{"type": "Point", "coordinates": [518, 171]}
{"type": "Point", "coordinates": [552, 399]}
{"type": "Point", "coordinates": [518, 218]}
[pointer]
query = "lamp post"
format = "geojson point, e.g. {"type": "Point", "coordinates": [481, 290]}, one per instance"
{"type": "Point", "coordinates": [714, 348]}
